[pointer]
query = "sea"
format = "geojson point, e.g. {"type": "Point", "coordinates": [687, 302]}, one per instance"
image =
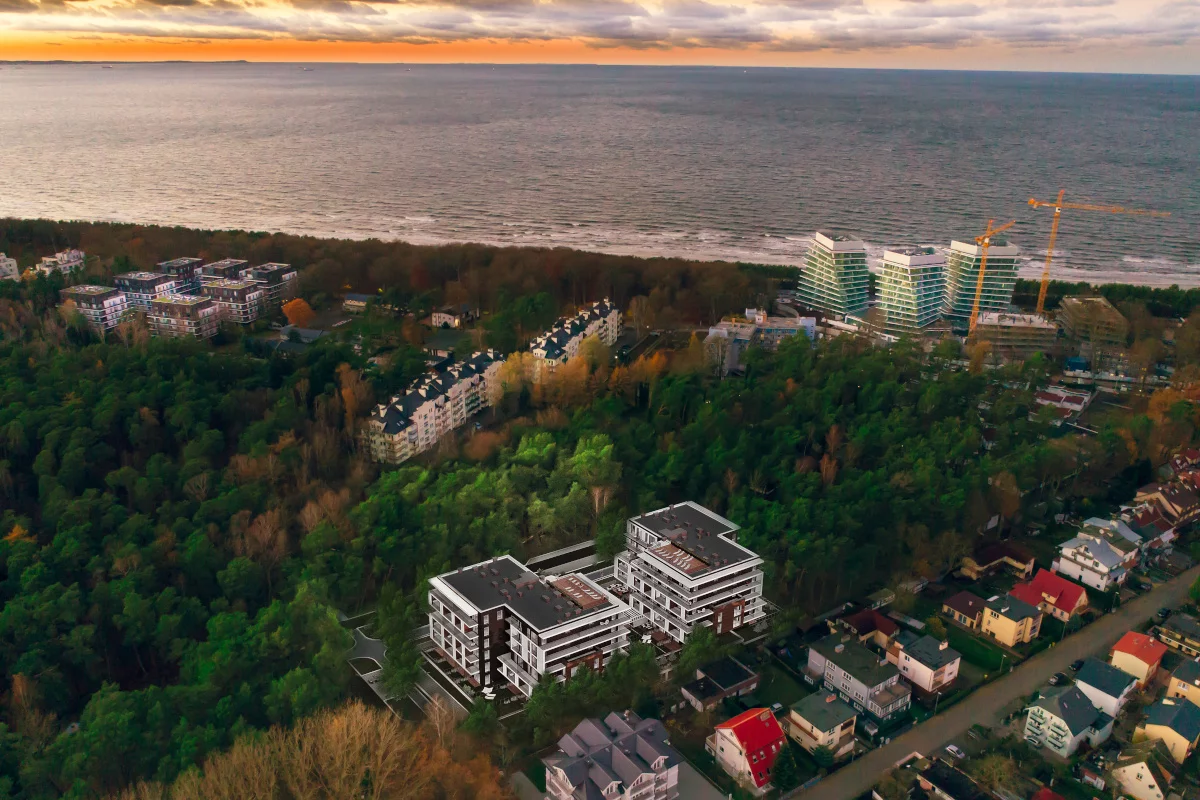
{"type": "Point", "coordinates": [701, 163]}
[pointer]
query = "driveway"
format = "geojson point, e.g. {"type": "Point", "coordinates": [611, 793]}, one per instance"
{"type": "Point", "coordinates": [989, 703]}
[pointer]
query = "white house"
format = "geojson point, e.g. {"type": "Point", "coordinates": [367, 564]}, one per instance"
{"type": "Point", "coordinates": [1145, 771]}
{"type": "Point", "coordinates": [1099, 555]}
{"type": "Point", "coordinates": [1063, 718]}
{"type": "Point", "coordinates": [63, 262]}
{"type": "Point", "coordinates": [561, 343]}
{"type": "Point", "coordinates": [1106, 686]}
{"type": "Point", "coordinates": [8, 268]}
{"type": "Point", "coordinates": [858, 676]}
{"type": "Point", "coordinates": [928, 664]}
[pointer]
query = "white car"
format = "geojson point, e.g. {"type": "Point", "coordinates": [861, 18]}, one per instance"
{"type": "Point", "coordinates": [954, 750]}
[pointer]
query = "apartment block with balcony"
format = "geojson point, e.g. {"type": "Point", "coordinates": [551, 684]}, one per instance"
{"type": "Point", "coordinates": [101, 306]}
{"type": "Point", "coordinates": [1063, 718]}
{"type": "Point", "coordinates": [1180, 632]}
{"type": "Point", "coordinates": [280, 282]}
{"type": "Point", "coordinates": [185, 271]}
{"type": "Point", "coordinates": [239, 301]}
{"type": "Point", "coordinates": [183, 315]}
{"type": "Point", "coordinates": [729, 339]}
{"type": "Point", "coordinates": [561, 343]}
{"type": "Point", "coordinates": [1014, 337]}
{"type": "Point", "coordinates": [498, 622]}
{"type": "Point", "coordinates": [227, 269]}
{"type": "Point", "coordinates": [912, 289]}
{"type": "Point", "coordinates": [143, 288]}
{"type": "Point", "coordinates": [433, 406]}
{"type": "Point", "coordinates": [862, 678]}
{"type": "Point", "coordinates": [1099, 555]}
{"type": "Point", "coordinates": [835, 277]}
{"type": "Point", "coordinates": [64, 262]}
{"type": "Point", "coordinates": [8, 269]}
{"type": "Point", "coordinates": [962, 276]}
{"type": "Point", "coordinates": [684, 569]}
{"type": "Point", "coordinates": [624, 757]}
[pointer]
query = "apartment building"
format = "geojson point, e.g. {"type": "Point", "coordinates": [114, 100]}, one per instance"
{"type": "Point", "coordinates": [433, 406]}
{"type": "Point", "coordinates": [8, 269]}
{"type": "Point", "coordinates": [1063, 718]}
{"type": "Point", "coordinates": [1011, 621]}
{"type": "Point", "coordinates": [101, 306]}
{"type": "Point", "coordinates": [1098, 555]}
{"type": "Point", "coordinates": [728, 340]}
{"type": "Point", "coordinates": [684, 568]}
{"type": "Point", "coordinates": [1093, 320]}
{"type": "Point", "coordinates": [822, 720]}
{"type": "Point", "coordinates": [962, 276]}
{"type": "Point", "coordinates": [183, 315]}
{"type": "Point", "coordinates": [561, 343]}
{"type": "Point", "coordinates": [185, 271]}
{"type": "Point", "coordinates": [1180, 632]}
{"type": "Point", "coordinates": [143, 288]}
{"type": "Point", "coordinates": [498, 622]}
{"type": "Point", "coordinates": [926, 663]}
{"type": "Point", "coordinates": [624, 757]}
{"type": "Point", "coordinates": [912, 289]}
{"type": "Point", "coordinates": [227, 269]}
{"type": "Point", "coordinates": [835, 276]}
{"type": "Point", "coordinates": [858, 676]}
{"type": "Point", "coordinates": [237, 300]}
{"type": "Point", "coordinates": [1015, 337]}
{"type": "Point", "coordinates": [280, 282]}
{"type": "Point", "coordinates": [63, 262]}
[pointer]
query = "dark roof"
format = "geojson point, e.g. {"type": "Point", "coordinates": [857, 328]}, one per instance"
{"type": "Point", "coordinates": [1073, 707]}
{"type": "Point", "coordinates": [991, 553]}
{"type": "Point", "coordinates": [1184, 624]}
{"type": "Point", "coordinates": [953, 783]}
{"type": "Point", "coordinates": [862, 664]}
{"type": "Point", "coordinates": [727, 672]}
{"type": "Point", "coordinates": [869, 620]}
{"type": "Point", "coordinates": [506, 582]}
{"type": "Point", "coordinates": [1188, 672]}
{"type": "Point", "coordinates": [703, 690]}
{"type": "Point", "coordinates": [1013, 608]}
{"type": "Point", "coordinates": [355, 297]}
{"type": "Point", "coordinates": [1157, 757]}
{"type": "Point", "coordinates": [622, 748]}
{"type": "Point", "coordinates": [693, 538]}
{"type": "Point", "coordinates": [823, 710]}
{"type": "Point", "coordinates": [966, 603]}
{"type": "Point", "coordinates": [396, 415]}
{"type": "Point", "coordinates": [1178, 714]}
{"type": "Point", "coordinates": [932, 653]}
{"type": "Point", "coordinates": [1104, 677]}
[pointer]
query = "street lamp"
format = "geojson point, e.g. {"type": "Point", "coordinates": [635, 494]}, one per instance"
{"type": "Point", "coordinates": [935, 701]}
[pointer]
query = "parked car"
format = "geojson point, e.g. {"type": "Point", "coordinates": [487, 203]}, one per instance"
{"type": "Point", "coordinates": [776, 708]}
{"type": "Point", "coordinates": [1077, 665]}
{"type": "Point", "coordinates": [954, 750]}
{"type": "Point", "coordinates": [1163, 613]}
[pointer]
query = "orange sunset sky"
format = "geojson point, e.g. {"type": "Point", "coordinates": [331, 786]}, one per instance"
{"type": "Point", "coordinates": [1051, 35]}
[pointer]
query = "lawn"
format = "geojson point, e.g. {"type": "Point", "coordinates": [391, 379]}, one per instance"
{"type": "Point", "coordinates": [982, 654]}
{"type": "Point", "coordinates": [778, 686]}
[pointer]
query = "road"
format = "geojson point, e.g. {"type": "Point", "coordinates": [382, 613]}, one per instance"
{"type": "Point", "coordinates": [991, 702]}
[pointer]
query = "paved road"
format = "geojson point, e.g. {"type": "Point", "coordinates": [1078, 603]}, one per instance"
{"type": "Point", "coordinates": [989, 704]}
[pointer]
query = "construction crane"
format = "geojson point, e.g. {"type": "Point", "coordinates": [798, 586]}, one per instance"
{"type": "Point", "coordinates": [984, 242]}
{"type": "Point", "coordinates": [1058, 205]}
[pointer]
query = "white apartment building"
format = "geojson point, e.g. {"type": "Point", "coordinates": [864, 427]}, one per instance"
{"type": "Point", "coordinates": [962, 276]}
{"type": "Point", "coordinates": [624, 757]}
{"type": "Point", "coordinates": [730, 338]}
{"type": "Point", "coordinates": [1097, 555]}
{"type": "Point", "coordinates": [928, 664]}
{"type": "Point", "coordinates": [858, 676]}
{"type": "Point", "coordinates": [1063, 718]}
{"type": "Point", "coordinates": [143, 288]}
{"type": "Point", "coordinates": [684, 568]}
{"type": "Point", "coordinates": [101, 306]}
{"type": "Point", "coordinates": [498, 622]}
{"type": "Point", "coordinates": [835, 276]}
{"type": "Point", "coordinates": [561, 343]}
{"type": "Point", "coordinates": [8, 269]}
{"type": "Point", "coordinates": [912, 288]}
{"type": "Point", "coordinates": [62, 262]}
{"type": "Point", "coordinates": [434, 405]}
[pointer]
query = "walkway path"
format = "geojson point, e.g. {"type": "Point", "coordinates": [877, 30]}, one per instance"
{"type": "Point", "coordinates": [989, 703]}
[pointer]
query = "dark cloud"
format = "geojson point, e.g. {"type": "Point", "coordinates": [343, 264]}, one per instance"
{"type": "Point", "coordinates": [17, 6]}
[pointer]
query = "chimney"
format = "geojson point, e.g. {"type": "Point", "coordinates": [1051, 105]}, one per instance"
{"type": "Point", "coordinates": [829, 698]}
{"type": "Point", "coordinates": [943, 645]}
{"type": "Point", "coordinates": [839, 648]}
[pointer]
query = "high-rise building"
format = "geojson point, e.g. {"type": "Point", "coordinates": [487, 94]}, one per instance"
{"type": "Point", "coordinates": [143, 288]}
{"type": "Point", "coordinates": [835, 277]}
{"type": "Point", "coordinates": [912, 288]}
{"type": "Point", "coordinates": [183, 315]}
{"type": "Point", "coordinates": [226, 269]}
{"type": "Point", "coordinates": [185, 271]}
{"type": "Point", "coordinates": [101, 306]}
{"type": "Point", "coordinates": [962, 277]}
{"type": "Point", "coordinates": [237, 300]}
{"type": "Point", "coordinates": [279, 282]}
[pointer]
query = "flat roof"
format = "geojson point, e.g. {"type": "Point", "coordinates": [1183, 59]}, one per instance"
{"type": "Point", "coordinates": [144, 276]}
{"type": "Point", "coordinates": [231, 283]}
{"type": "Point", "coordinates": [226, 262]}
{"type": "Point", "coordinates": [181, 300]}
{"type": "Point", "coordinates": [272, 266]}
{"type": "Point", "coordinates": [175, 263]}
{"type": "Point", "coordinates": [506, 582]}
{"type": "Point", "coordinates": [88, 289]}
{"type": "Point", "coordinates": [694, 538]}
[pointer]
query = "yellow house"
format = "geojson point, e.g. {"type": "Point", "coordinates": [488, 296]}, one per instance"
{"type": "Point", "coordinates": [1185, 681]}
{"type": "Point", "coordinates": [1177, 723]}
{"type": "Point", "coordinates": [1011, 621]}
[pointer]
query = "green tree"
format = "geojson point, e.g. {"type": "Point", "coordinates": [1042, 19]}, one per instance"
{"type": "Point", "coordinates": [823, 756]}
{"type": "Point", "coordinates": [785, 774]}
{"type": "Point", "coordinates": [936, 627]}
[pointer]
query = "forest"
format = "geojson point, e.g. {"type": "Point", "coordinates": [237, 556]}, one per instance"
{"type": "Point", "coordinates": [182, 524]}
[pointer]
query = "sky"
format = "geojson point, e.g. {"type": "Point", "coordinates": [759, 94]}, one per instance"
{"type": "Point", "coordinates": [1149, 36]}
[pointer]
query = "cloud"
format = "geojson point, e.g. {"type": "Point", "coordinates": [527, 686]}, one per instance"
{"type": "Point", "coordinates": [17, 6]}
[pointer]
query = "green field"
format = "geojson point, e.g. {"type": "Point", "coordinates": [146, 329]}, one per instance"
{"type": "Point", "coordinates": [982, 654]}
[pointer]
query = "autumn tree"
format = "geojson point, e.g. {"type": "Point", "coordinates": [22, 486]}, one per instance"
{"type": "Point", "coordinates": [298, 312]}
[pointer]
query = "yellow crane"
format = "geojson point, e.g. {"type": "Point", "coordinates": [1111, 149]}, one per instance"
{"type": "Point", "coordinates": [984, 242]}
{"type": "Point", "coordinates": [1058, 205]}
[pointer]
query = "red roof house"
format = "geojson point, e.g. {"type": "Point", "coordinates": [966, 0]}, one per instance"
{"type": "Point", "coordinates": [1053, 594]}
{"type": "Point", "coordinates": [1139, 655]}
{"type": "Point", "coordinates": [746, 747]}
{"type": "Point", "coordinates": [1045, 793]}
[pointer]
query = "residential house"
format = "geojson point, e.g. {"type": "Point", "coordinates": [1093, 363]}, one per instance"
{"type": "Point", "coordinates": [561, 343]}
{"type": "Point", "coordinates": [869, 625]}
{"type": "Point", "coordinates": [822, 720]}
{"type": "Point", "coordinates": [1106, 686]}
{"type": "Point", "coordinates": [928, 664]}
{"type": "Point", "coordinates": [1069, 402]}
{"type": "Point", "coordinates": [1176, 722]}
{"type": "Point", "coordinates": [1185, 681]}
{"type": "Point", "coordinates": [1157, 534]}
{"type": "Point", "coordinates": [1053, 594]}
{"type": "Point", "coordinates": [728, 340]}
{"type": "Point", "coordinates": [725, 677]}
{"type": "Point", "coordinates": [8, 268]}
{"type": "Point", "coordinates": [1145, 771]}
{"type": "Point", "coordinates": [1011, 621]}
{"type": "Point", "coordinates": [498, 622]}
{"type": "Point", "coordinates": [1177, 500]}
{"type": "Point", "coordinates": [1063, 718]}
{"type": "Point", "coordinates": [622, 758]}
{"type": "Point", "coordinates": [453, 316]}
{"type": "Point", "coordinates": [1180, 632]}
{"type": "Point", "coordinates": [684, 568]}
{"type": "Point", "coordinates": [860, 677]}
{"type": "Point", "coordinates": [63, 262]}
{"type": "Point", "coordinates": [101, 306]}
{"type": "Point", "coordinates": [942, 781]}
{"type": "Point", "coordinates": [1139, 655]}
{"type": "Point", "coordinates": [996, 556]}
{"type": "Point", "coordinates": [746, 747]}
{"type": "Point", "coordinates": [966, 609]}
{"type": "Point", "coordinates": [1098, 555]}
